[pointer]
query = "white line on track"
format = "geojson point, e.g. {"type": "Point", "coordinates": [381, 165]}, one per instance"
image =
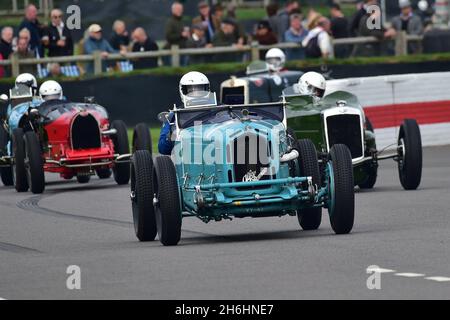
{"type": "Point", "coordinates": [410, 275]}
{"type": "Point", "coordinates": [439, 279]}
{"type": "Point", "coordinates": [376, 269]}
{"type": "Point", "coordinates": [379, 270]}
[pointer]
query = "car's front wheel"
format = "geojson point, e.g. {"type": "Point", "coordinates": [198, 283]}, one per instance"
{"type": "Point", "coordinates": [309, 218]}
{"type": "Point", "coordinates": [83, 178]}
{"type": "Point", "coordinates": [5, 172]}
{"type": "Point", "coordinates": [121, 170]}
{"type": "Point", "coordinates": [34, 163]}
{"type": "Point", "coordinates": [167, 206]}
{"type": "Point", "coordinates": [142, 196]}
{"type": "Point", "coordinates": [410, 155]}
{"type": "Point", "coordinates": [18, 163]}
{"type": "Point", "coordinates": [341, 193]}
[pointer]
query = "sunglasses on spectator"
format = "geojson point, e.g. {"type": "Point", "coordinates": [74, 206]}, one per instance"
{"type": "Point", "coordinates": [57, 17]}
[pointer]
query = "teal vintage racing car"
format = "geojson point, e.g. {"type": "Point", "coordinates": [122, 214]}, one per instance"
{"type": "Point", "coordinates": [236, 161]}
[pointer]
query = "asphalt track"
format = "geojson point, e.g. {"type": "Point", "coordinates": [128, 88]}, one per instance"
{"type": "Point", "coordinates": [404, 233]}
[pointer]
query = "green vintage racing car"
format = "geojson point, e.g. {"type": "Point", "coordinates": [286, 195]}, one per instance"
{"type": "Point", "coordinates": [338, 118]}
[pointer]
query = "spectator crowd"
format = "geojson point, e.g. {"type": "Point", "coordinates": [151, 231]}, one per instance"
{"type": "Point", "coordinates": [214, 26]}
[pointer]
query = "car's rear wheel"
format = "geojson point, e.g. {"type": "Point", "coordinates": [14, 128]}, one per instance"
{"type": "Point", "coordinates": [34, 163]}
{"type": "Point", "coordinates": [167, 208]}
{"type": "Point", "coordinates": [83, 178]}
{"type": "Point", "coordinates": [142, 196]}
{"type": "Point", "coordinates": [142, 138]}
{"type": "Point", "coordinates": [5, 172]}
{"type": "Point", "coordinates": [18, 165]}
{"type": "Point", "coordinates": [410, 155]}
{"type": "Point", "coordinates": [341, 193]}
{"type": "Point", "coordinates": [309, 218]}
{"type": "Point", "coordinates": [104, 173]}
{"type": "Point", "coordinates": [369, 182]}
{"type": "Point", "coordinates": [121, 170]}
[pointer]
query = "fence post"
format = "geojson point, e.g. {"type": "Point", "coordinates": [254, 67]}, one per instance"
{"type": "Point", "coordinates": [14, 6]}
{"type": "Point", "coordinates": [254, 51]}
{"type": "Point", "coordinates": [15, 68]}
{"type": "Point", "coordinates": [175, 55]}
{"type": "Point", "coordinates": [401, 44]}
{"type": "Point", "coordinates": [97, 62]}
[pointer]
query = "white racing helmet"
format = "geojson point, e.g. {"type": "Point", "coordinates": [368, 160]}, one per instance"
{"type": "Point", "coordinates": [27, 79]}
{"type": "Point", "coordinates": [50, 90]}
{"type": "Point", "coordinates": [313, 84]}
{"type": "Point", "coordinates": [276, 59]}
{"type": "Point", "coordinates": [194, 85]}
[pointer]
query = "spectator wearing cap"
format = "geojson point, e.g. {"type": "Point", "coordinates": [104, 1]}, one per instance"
{"type": "Point", "coordinates": [339, 29]}
{"type": "Point", "coordinates": [198, 40]}
{"type": "Point", "coordinates": [36, 29]}
{"type": "Point", "coordinates": [57, 37]}
{"type": "Point", "coordinates": [143, 43]}
{"type": "Point", "coordinates": [206, 19]}
{"type": "Point", "coordinates": [120, 39]}
{"type": "Point", "coordinates": [264, 36]}
{"type": "Point", "coordinates": [283, 17]}
{"type": "Point", "coordinates": [96, 42]}
{"type": "Point", "coordinates": [409, 22]}
{"type": "Point", "coordinates": [226, 37]}
{"type": "Point", "coordinates": [295, 34]}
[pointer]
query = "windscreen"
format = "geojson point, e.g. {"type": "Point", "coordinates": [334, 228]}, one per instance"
{"type": "Point", "coordinates": [257, 67]}
{"type": "Point", "coordinates": [52, 111]}
{"type": "Point", "coordinates": [188, 118]}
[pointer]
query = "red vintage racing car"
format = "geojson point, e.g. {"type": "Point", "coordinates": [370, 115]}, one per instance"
{"type": "Point", "coordinates": [72, 139]}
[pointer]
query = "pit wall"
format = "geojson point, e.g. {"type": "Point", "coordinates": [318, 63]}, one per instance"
{"type": "Point", "coordinates": [387, 100]}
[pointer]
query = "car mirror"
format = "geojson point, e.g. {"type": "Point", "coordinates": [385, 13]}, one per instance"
{"type": "Point", "coordinates": [163, 117]}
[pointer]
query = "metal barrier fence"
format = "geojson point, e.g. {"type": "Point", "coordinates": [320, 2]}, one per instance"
{"type": "Point", "coordinates": [175, 53]}
{"type": "Point", "coordinates": [17, 6]}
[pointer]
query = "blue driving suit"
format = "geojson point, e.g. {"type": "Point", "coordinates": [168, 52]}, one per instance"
{"type": "Point", "coordinates": [165, 144]}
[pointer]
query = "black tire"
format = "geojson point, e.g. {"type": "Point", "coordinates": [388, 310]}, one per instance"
{"type": "Point", "coordinates": [167, 210]}
{"type": "Point", "coordinates": [121, 146]}
{"type": "Point", "coordinates": [142, 196]}
{"type": "Point", "coordinates": [5, 172]}
{"type": "Point", "coordinates": [18, 167]}
{"type": "Point", "coordinates": [311, 218]}
{"type": "Point", "coordinates": [104, 173]}
{"type": "Point", "coordinates": [342, 215]}
{"type": "Point", "coordinates": [83, 179]}
{"type": "Point", "coordinates": [7, 176]}
{"type": "Point", "coordinates": [34, 163]}
{"type": "Point", "coordinates": [371, 179]}
{"type": "Point", "coordinates": [142, 138]}
{"type": "Point", "coordinates": [410, 159]}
